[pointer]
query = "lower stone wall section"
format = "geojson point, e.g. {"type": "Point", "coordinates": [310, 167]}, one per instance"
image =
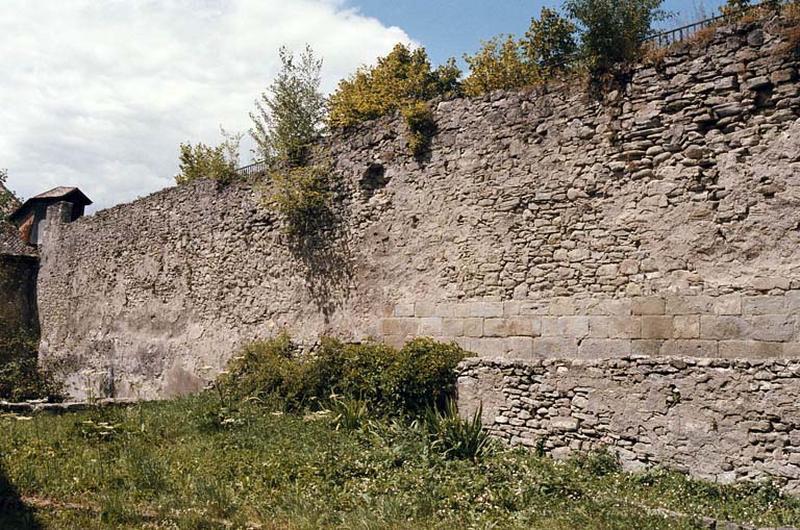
{"type": "Point", "coordinates": [719, 419]}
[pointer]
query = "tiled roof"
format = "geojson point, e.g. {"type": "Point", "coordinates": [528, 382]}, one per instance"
{"type": "Point", "coordinates": [11, 244]}
{"type": "Point", "coordinates": [55, 193]}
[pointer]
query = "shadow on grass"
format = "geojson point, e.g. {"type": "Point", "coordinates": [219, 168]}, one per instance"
{"type": "Point", "coordinates": [13, 512]}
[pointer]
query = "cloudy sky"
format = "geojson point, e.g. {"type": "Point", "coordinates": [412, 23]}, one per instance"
{"type": "Point", "coordinates": [100, 93]}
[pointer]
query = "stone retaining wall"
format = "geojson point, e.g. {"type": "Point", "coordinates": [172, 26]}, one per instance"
{"type": "Point", "coordinates": [681, 183]}
{"type": "Point", "coordinates": [718, 419]}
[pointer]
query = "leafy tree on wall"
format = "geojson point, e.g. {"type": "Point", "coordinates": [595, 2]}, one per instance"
{"type": "Point", "coordinates": [612, 31]}
{"type": "Point", "coordinates": [550, 42]}
{"type": "Point", "coordinates": [205, 162]}
{"type": "Point", "coordinates": [289, 115]}
{"type": "Point", "coordinates": [397, 82]}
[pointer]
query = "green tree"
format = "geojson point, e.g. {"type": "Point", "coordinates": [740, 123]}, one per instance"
{"type": "Point", "coordinates": [399, 80]}
{"type": "Point", "coordinates": [290, 114]}
{"type": "Point", "coordinates": [612, 31]}
{"type": "Point", "coordinates": [550, 41]}
{"type": "Point", "coordinates": [501, 63]}
{"type": "Point", "coordinates": [506, 63]}
{"type": "Point", "coordinates": [202, 161]}
{"type": "Point", "coordinates": [7, 199]}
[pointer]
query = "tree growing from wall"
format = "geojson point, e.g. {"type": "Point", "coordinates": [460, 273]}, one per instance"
{"type": "Point", "coordinates": [396, 82]}
{"type": "Point", "coordinates": [202, 161]}
{"type": "Point", "coordinates": [289, 115]}
{"type": "Point", "coordinates": [612, 31]}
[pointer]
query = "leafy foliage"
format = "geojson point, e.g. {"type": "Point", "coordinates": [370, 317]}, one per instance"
{"type": "Point", "coordinates": [387, 381]}
{"type": "Point", "coordinates": [421, 126]}
{"type": "Point", "coordinates": [456, 437]}
{"type": "Point", "coordinates": [20, 376]}
{"type": "Point", "coordinates": [548, 48]}
{"type": "Point", "coordinates": [201, 161]}
{"type": "Point", "coordinates": [399, 80]}
{"type": "Point", "coordinates": [7, 198]}
{"type": "Point", "coordinates": [289, 114]}
{"type": "Point", "coordinates": [612, 31]}
{"type": "Point", "coordinates": [500, 64]}
{"type": "Point", "coordinates": [303, 197]}
{"type": "Point", "coordinates": [550, 42]}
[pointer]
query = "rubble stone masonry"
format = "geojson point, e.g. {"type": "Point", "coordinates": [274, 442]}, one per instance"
{"type": "Point", "coordinates": [720, 419]}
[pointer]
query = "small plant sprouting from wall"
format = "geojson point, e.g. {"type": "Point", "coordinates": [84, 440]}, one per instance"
{"type": "Point", "coordinates": [304, 198]}
{"type": "Point", "coordinates": [421, 126]}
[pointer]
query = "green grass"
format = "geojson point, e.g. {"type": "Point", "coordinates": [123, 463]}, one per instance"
{"type": "Point", "coordinates": [192, 464]}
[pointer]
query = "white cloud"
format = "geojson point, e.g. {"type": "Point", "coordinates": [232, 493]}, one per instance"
{"type": "Point", "coordinates": [99, 93]}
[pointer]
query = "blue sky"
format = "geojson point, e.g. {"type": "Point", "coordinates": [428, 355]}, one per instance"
{"type": "Point", "coordinates": [450, 28]}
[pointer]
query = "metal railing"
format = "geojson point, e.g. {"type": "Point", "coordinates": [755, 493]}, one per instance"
{"type": "Point", "coordinates": [671, 36]}
{"type": "Point", "coordinates": [259, 168]}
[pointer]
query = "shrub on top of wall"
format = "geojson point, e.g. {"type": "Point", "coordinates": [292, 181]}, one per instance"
{"type": "Point", "coordinates": [419, 376]}
{"type": "Point", "coordinates": [401, 78]}
{"type": "Point", "coordinates": [205, 162]}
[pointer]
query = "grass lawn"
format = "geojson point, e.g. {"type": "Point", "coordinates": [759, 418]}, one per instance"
{"type": "Point", "coordinates": [192, 464]}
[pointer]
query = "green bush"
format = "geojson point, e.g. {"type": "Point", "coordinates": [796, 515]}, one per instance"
{"type": "Point", "coordinates": [455, 437]}
{"type": "Point", "coordinates": [267, 369]}
{"type": "Point", "coordinates": [504, 62]}
{"type": "Point", "coordinates": [500, 64]}
{"type": "Point", "coordinates": [422, 375]}
{"type": "Point", "coordinates": [550, 42]}
{"type": "Point", "coordinates": [303, 197]}
{"type": "Point", "coordinates": [386, 381]}
{"type": "Point", "coordinates": [421, 126]}
{"type": "Point", "coordinates": [612, 31]}
{"type": "Point", "coordinates": [20, 376]}
{"type": "Point", "coordinates": [201, 161]}
{"type": "Point", "coordinates": [400, 79]}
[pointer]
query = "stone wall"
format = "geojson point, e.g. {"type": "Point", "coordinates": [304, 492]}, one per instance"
{"type": "Point", "coordinates": [537, 218]}
{"type": "Point", "coordinates": [719, 419]}
{"type": "Point", "coordinates": [17, 294]}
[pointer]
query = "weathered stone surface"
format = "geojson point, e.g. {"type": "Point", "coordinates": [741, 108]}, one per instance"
{"type": "Point", "coordinates": [673, 411]}
{"type": "Point", "coordinates": [676, 197]}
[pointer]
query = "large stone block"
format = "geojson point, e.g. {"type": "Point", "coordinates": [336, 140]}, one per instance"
{"type": "Point", "coordinates": [724, 327]}
{"type": "Point", "coordinates": [690, 348]}
{"type": "Point", "coordinates": [763, 305]}
{"type": "Point", "coordinates": [649, 306]}
{"type": "Point", "coordinates": [453, 327]}
{"type": "Point", "coordinates": [512, 327]}
{"type": "Point", "coordinates": [555, 346]}
{"type": "Point", "coordinates": [604, 348]}
{"type": "Point", "coordinates": [657, 327]}
{"type": "Point", "coordinates": [728, 305]}
{"type": "Point", "coordinates": [400, 326]}
{"type": "Point", "coordinates": [686, 327]}
{"type": "Point", "coordinates": [431, 327]}
{"type": "Point", "coordinates": [404, 310]}
{"type": "Point", "coordinates": [750, 349]}
{"type": "Point", "coordinates": [689, 305]}
{"type": "Point", "coordinates": [480, 309]}
{"type": "Point", "coordinates": [473, 327]}
{"type": "Point", "coordinates": [565, 326]}
{"type": "Point", "coordinates": [773, 327]}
